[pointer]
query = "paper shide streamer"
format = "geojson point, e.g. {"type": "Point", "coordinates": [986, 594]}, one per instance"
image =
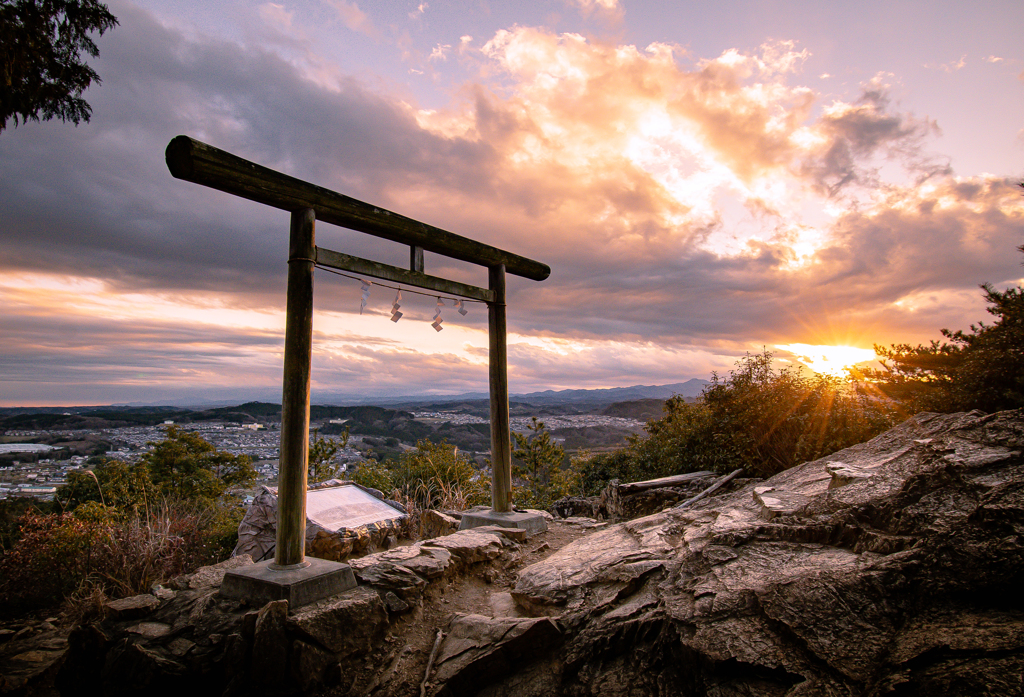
{"type": "Point", "coordinates": [436, 324]}
{"type": "Point", "coordinates": [395, 314]}
{"type": "Point", "coordinates": [366, 295]}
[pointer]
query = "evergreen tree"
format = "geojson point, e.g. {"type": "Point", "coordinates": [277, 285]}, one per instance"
{"type": "Point", "coordinates": [982, 368]}
{"type": "Point", "coordinates": [536, 458]}
{"type": "Point", "coordinates": [41, 68]}
{"type": "Point", "coordinates": [186, 466]}
{"type": "Point", "coordinates": [321, 457]}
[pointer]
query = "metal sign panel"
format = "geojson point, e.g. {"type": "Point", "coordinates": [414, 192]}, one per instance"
{"type": "Point", "coordinates": [337, 507]}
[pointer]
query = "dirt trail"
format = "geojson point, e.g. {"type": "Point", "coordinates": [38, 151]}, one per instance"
{"type": "Point", "coordinates": [484, 591]}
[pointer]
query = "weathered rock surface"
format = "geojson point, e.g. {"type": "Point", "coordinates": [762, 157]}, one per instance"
{"type": "Point", "coordinates": [893, 567]}
{"type": "Point", "coordinates": [469, 546]}
{"type": "Point", "coordinates": [132, 608]}
{"type": "Point", "coordinates": [207, 576]}
{"type": "Point", "coordinates": [193, 641]}
{"type": "Point", "coordinates": [618, 502]}
{"type": "Point", "coordinates": [30, 663]}
{"type": "Point", "coordinates": [478, 650]}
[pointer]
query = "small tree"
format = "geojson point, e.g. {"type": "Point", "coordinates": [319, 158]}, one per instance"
{"type": "Point", "coordinates": [321, 457]}
{"type": "Point", "coordinates": [41, 70]}
{"type": "Point", "coordinates": [123, 487]}
{"type": "Point", "coordinates": [429, 474]}
{"type": "Point", "coordinates": [537, 457]}
{"type": "Point", "coordinates": [186, 466]}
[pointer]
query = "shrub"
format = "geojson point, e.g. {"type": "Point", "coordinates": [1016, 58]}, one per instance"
{"type": "Point", "coordinates": [322, 452]}
{"type": "Point", "coordinates": [94, 549]}
{"type": "Point", "coordinates": [759, 418]}
{"type": "Point", "coordinates": [428, 474]}
{"type": "Point", "coordinates": [535, 459]}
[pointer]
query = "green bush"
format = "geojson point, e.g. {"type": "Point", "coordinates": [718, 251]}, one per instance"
{"type": "Point", "coordinates": [759, 418]}
{"type": "Point", "coordinates": [124, 526]}
{"type": "Point", "coordinates": [535, 459]}
{"type": "Point", "coordinates": [184, 466]}
{"type": "Point", "coordinates": [429, 475]}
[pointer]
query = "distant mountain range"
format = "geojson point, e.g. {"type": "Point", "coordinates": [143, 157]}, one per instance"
{"type": "Point", "coordinates": [690, 388]}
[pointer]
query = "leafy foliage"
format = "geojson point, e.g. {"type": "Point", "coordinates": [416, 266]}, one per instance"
{"type": "Point", "coordinates": [321, 457]}
{"type": "Point", "coordinates": [125, 525]}
{"type": "Point", "coordinates": [759, 418]}
{"type": "Point", "coordinates": [60, 555]}
{"type": "Point", "coordinates": [41, 70]}
{"type": "Point", "coordinates": [187, 467]}
{"type": "Point", "coordinates": [123, 486]}
{"type": "Point", "coordinates": [426, 474]}
{"type": "Point", "coordinates": [979, 369]}
{"type": "Point", "coordinates": [535, 458]}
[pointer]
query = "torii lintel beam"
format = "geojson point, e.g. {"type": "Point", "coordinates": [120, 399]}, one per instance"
{"type": "Point", "coordinates": [197, 162]}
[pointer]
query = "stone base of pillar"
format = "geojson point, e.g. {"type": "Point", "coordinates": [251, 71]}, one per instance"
{"type": "Point", "coordinates": [482, 515]}
{"type": "Point", "coordinates": [259, 583]}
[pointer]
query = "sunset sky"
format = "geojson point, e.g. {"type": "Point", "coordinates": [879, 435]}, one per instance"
{"type": "Point", "coordinates": [703, 179]}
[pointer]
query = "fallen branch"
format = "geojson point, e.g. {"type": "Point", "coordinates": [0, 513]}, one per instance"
{"type": "Point", "coordinates": [675, 479]}
{"type": "Point", "coordinates": [722, 481]}
{"type": "Point", "coordinates": [430, 663]}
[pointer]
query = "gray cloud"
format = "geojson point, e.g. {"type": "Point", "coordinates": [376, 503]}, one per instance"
{"type": "Point", "coordinates": [97, 201]}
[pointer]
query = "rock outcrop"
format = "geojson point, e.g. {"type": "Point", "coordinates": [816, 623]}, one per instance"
{"type": "Point", "coordinates": [894, 567]}
{"type": "Point", "coordinates": [891, 568]}
{"type": "Point", "coordinates": [190, 640]}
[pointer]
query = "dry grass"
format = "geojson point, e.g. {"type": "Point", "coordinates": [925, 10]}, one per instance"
{"type": "Point", "coordinates": [86, 557]}
{"type": "Point", "coordinates": [449, 496]}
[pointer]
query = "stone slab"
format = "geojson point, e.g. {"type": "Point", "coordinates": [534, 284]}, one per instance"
{"type": "Point", "coordinates": [259, 584]}
{"type": "Point", "coordinates": [476, 518]}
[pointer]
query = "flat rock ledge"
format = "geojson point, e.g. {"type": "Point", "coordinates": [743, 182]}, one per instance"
{"type": "Point", "coordinates": [188, 640]}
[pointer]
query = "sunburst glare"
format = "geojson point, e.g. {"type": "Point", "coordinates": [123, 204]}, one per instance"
{"type": "Point", "coordinates": [829, 360]}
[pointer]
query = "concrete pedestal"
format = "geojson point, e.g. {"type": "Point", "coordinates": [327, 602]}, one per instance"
{"type": "Point", "coordinates": [259, 583]}
{"type": "Point", "coordinates": [482, 515]}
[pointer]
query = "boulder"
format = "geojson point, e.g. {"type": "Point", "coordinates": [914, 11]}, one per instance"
{"type": "Point", "coordinates": [269, 646]}
{"type": "Point", "coordinates": [387, 576]}
{"type": "Point", "coordinates": [131, 608]}
{"type": "Point", "coordinates": [205, 576]}
{"type": "Point", "coordinates": [436, 524]}
{"type": "Point", "coordinates": [479, 650]}
{"type": "Point", "coordinates": [469, 546]}
{"type": "Point", "coordinates": [892, 567]}
{"type": "Point", "coordinates": [427, 562]}
{"type": "Point", "coordinates": [346, 624]}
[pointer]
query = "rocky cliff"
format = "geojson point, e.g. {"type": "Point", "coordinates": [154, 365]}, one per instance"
{"type": "Point", "coordinates": [894, 567]}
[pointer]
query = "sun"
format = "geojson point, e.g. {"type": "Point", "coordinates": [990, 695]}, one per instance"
{"type": "Point", "coordinates": [829, 360]}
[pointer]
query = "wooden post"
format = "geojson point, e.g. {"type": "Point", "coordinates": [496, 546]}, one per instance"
{"type": "Point", "coordinates": [416, 258]}
{"type": "Point", "coordinates": [298, 349]}
{"type": "Point", "coordinates": [501, 450]}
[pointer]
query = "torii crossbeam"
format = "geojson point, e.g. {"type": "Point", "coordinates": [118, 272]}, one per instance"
{"type": "Point", "coordinates": [290, 575]}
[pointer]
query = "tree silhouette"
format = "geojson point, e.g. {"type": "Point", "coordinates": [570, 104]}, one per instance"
{"type": "Point", "coordinates": [42, 74]}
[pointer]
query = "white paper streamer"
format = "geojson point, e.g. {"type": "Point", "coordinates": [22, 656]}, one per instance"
{"type": "Point", "coordinates": [366, 295]}
{"type": "Point", "coordinates": [462, 311]}
{"type": "Point", "coordinates": [395, 314]}
{"type": "Point", "coordinates": [436, 324]}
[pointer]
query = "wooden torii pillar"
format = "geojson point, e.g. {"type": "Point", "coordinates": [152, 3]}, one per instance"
{"type": "Point", "coordinates": [291, 575]}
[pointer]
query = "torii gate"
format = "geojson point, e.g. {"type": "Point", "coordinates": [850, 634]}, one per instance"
{"type": "Point", "coordinates": [290, 575]}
